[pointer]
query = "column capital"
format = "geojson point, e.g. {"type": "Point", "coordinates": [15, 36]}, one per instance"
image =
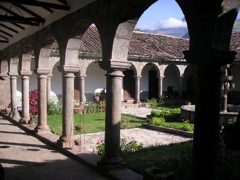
{"type": "Point", "coordinates": [42, 71]}
{"type": "Point", "coordinates": [115, 73]}
{"type": "Point", "coordinates": [4, 76]}
{"type": "Point", "coordinates": [138, 77]}
{"type": "Point", "coordinates": [82, 76]}
{"type": "Point", "coordinates": [25, 73]}
{"type": "Point", "coordinates": [50, 75]}
{"type": "Point", "coordinates": [13, 74]}
{"type": "Point", "coordinates": [69, 68]}
{"type": "Point", "coordinates": [115, 64]}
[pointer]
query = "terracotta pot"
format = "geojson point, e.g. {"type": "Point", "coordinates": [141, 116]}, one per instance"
{"type": "Point", "coordinates": [78, 127]}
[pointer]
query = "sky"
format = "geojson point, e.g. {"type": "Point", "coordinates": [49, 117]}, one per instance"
{"type": "Point", "coordinates": [162, 14]}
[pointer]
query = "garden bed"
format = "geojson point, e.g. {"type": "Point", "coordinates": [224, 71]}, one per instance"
{"type": "Point", "coordinates": [168, 130]}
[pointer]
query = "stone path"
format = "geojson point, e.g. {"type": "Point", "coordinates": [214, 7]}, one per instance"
{"type": "Point", "coordinates": [146, 136]}
{"type": "Point", "coordinates": [25, 157]}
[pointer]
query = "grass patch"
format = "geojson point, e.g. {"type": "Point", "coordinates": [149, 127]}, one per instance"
{"type": "Point", "coordinates": [175, 157]}
{"type": "Point", "coordinates": [178, 159]}
{"type": "Point", "coordinates": [94, 122]}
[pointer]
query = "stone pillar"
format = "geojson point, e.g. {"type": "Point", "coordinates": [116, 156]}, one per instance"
{"type": "Point", "coordinates": [112, 156]}
{"type": "Point", "coordinates": [137, 89]}
{"type": "Point", "coordinates": [82, 89]}
{"type": "Point", "coordinates": [206, 129]}
{"type": "Point", "coordinates": [180, 86]}
{"type": "Point", "coordinates": [49, 76]}
{"type": "Point", "coordinates": [160, 87]}
{"type": "Point", "coordinates": [42, 101]}
{"type": "Point", "coordinates": [66, 140]}
{"type": "Point", "coordinates": [13, 82]}
{"type": "Point", "coordinates": [25, 97]}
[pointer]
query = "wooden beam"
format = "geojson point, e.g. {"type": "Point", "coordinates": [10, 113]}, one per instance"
{"type": "Point", "coordinates": [11, 29]}
{"type": "Point", "coordinates": [6, 33]}
{"type": "Point", "coordinates": [19, 19]}
{"type": "Point", "coordinates": [2, 41]}
{"type": "Point", "coordinates": [30, 12]}
{"type": "Point", "coordinates": [19, 26]}
{"type": "Point", "coordinates": [38, 3]}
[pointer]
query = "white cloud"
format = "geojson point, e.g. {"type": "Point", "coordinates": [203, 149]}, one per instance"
{"type": "Point", "coordinates": [167, 23]}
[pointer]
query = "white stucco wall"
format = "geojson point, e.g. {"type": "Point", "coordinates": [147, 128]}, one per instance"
{"type": "Point", "coordinates": [171, 78]}
{"type": "Point", "coordinates": [95, 78]}
{"type": "Point", "coordinates": [144, 79]}
{"type": "Point", "coordinates": [56, 81]}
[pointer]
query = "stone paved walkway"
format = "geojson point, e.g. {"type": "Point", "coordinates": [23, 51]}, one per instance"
{"type": "Point", "coordinates": [25, 157]}
{"type": "Point", "coordinates": [146, 136]}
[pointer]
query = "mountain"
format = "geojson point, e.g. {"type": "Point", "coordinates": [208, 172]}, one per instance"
{"type": "Point", "coordinates": [179, 32]}
{"type": "Point", "coordinates": [236, 26]}
{"type": "Point", "coordinates": [183, 32]}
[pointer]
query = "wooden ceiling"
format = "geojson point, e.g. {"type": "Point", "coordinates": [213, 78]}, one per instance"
{"type": "Point", "coordinates": [18, 15]}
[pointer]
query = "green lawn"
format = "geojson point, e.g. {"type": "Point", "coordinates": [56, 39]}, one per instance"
{"type": "Point", "coordinates": [94, 122]}
{"type": "Point", "coordinates": [178, 158]}
{"type": "Point", "coordinates": [175, 157]}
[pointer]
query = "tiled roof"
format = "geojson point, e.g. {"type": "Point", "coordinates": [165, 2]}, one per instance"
{"type": "Point", "coordinates": [149, 45]}
{"type": "Point", "coordinates": [141, 45]}
{"type": "Point", "coordinates": [235, 44]}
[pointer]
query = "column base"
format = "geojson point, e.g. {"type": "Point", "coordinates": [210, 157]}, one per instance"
{"type": "Point", "coordinates": [66, 142]}
{"type": "Point", "coordinates": [42, 129]}
{"type": "Point", "coordinates": [24, 120]}
{"type": "Point", "coordinates": [137, 102]}
{"type": "Point", "coordinates": [109, 164]}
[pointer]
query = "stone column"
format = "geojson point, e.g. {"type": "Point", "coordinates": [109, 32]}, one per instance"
{"type": "Point", "coordinates": [42, 101]}
{"type": "Point", "coordinates": [49, 76]}
{"type": "Point", "coordinates": [112, 156]}
{"type": "Point", "coordinates": [180, 86]}
{"type": "Point", "coordinates": [82, 89]}
{"type": "Point", "coordinates": [25, 97]}
{"type": "Point", "coordinates": [66, 140]}
{"type": "Point", "coordinates": [137, 89]}
{"type": "Point", "coordinates": [160, 87]}
{"type": "Point", "coordinates": [13, 82]}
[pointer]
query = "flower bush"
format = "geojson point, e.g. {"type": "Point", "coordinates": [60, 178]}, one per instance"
{"type": "Point", "coordinates": [125, 146]}
{"type": "Point", "coordinates": [33, 102]}
{"type": "Point", "coordinates": [158, 121]}
{"type": "Point", "coordinates": [101, 148]}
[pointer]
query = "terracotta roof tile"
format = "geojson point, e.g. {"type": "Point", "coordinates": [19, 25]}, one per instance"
{"type": "Point", "coordinates": [142, 44]}
{"type": "Point", "coordinates": [149, 45]}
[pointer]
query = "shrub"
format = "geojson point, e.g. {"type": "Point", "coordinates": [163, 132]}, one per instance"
{"type": "Point", "coordinates": [158, 121]}
{"type": "Point", "coordinates": [125, 146]}
{"type": "Point", "coordinates": [54, 108]}
{"type": "Point", "coordinates": [158, 113]}
{"type": "Point", "coordinates": [92, 107]}
{"type": "Point", "coordinates": [102, 106]}
{"type": "Point", "coordinates": [153, 102]}
{"type": "Point", "coordinates": [175, 111]}
{"type": "Point", "coordinates": [131, 146]}
{"type": "Point", "coordinates": [101, 148]}
{"type": "Point", "coordinates": [33, 102]}
{"type": "Point", "coordinates": [125, 122]}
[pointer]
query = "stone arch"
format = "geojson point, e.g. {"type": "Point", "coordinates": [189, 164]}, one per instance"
{"type": "Point", "coordinates": [189, 83]}
{"type": "Point", "coordinates": [171, 80]}
{"type": "Point", "coordinates": [122, 40]}
{"type": "Point", "coordinates": [149, 81]}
